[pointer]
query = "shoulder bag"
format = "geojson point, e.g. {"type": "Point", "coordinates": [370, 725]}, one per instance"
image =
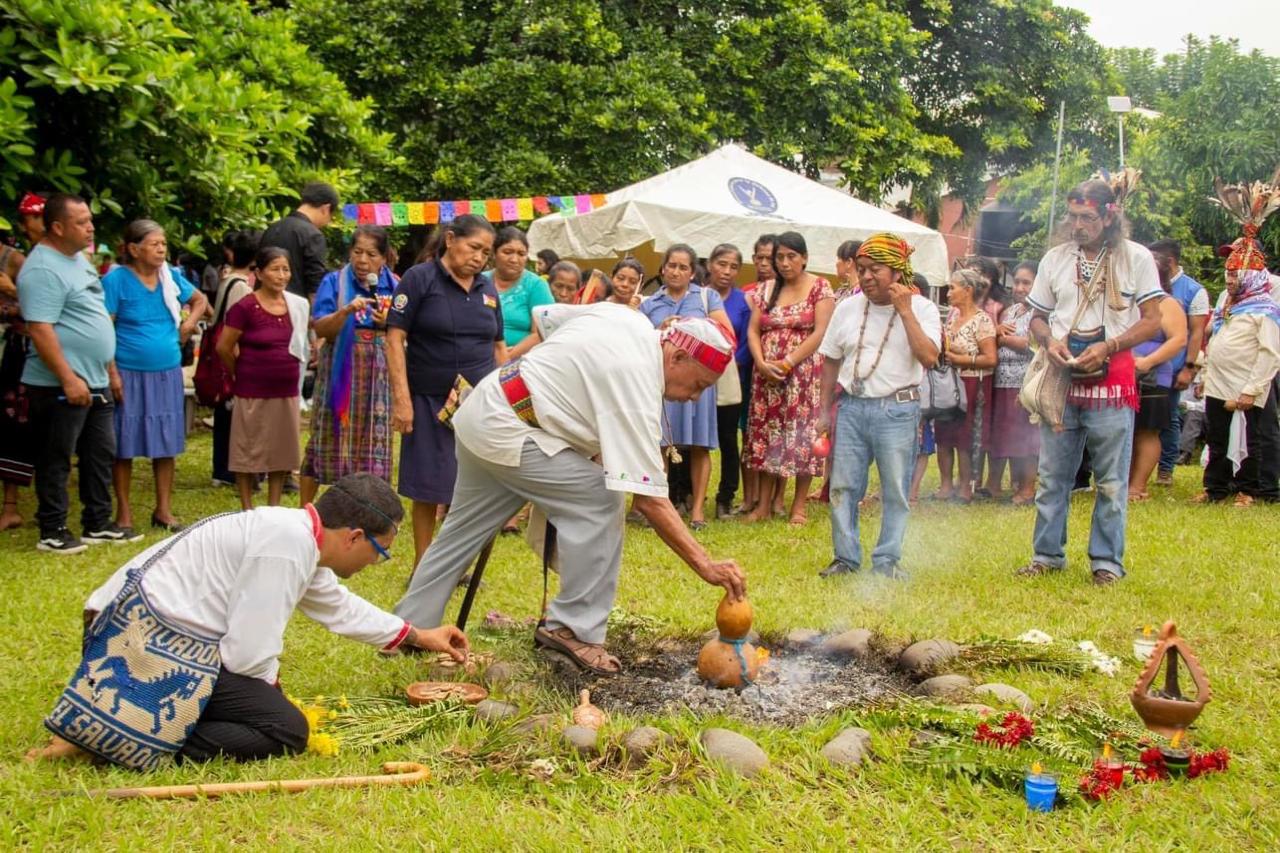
{"type": "Point", "coordinates": [212, 381]}
{"type": "Point", "coordinates": [1046, 383]}
{"type": "Point", "coordinates": [142, 682]}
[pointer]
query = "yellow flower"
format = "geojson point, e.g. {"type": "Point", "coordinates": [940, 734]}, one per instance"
{"type": "Point", "coordinates": [332, 715]}
{"type": "Point", "coordinates": [343, 703]}
{"type": "Point", "coordinates": [322, 744]}
{"type": "Point", "coordinates": [312, 714]}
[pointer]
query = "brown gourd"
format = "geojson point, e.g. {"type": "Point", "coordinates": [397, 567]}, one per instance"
{"type": "Point", "coordinates": [734, 618]}
{"type": "Point", "coordinates": [718, 663]}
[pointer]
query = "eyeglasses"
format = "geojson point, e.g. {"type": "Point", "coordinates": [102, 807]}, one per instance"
{"type": "Point", "coordinates": [383, 554]}
{"type": "Point", "coordinates": [1083, 218]}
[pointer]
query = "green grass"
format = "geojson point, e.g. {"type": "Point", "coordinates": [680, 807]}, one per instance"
{"type": "Point", "coordinates": [1213, 570]}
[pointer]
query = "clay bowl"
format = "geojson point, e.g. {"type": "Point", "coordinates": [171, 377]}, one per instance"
{"type": "Point", "coordinates": [427, 692]}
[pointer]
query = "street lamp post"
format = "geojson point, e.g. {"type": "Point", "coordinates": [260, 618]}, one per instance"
{"type": "Point", "coordinates": [1120, 105]}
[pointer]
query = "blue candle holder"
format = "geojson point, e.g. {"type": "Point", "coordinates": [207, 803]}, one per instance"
{"type": "Point", "coordinates": [1041, 790]}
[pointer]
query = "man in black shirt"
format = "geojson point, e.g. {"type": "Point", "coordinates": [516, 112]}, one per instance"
{"type": "Point", "coordinates": [299, 235]}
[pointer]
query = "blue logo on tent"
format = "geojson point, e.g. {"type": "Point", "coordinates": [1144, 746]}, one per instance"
{"type": "Point", "coordinates": [754, 196]}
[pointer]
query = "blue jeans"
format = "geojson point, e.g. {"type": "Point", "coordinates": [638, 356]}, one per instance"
{"type": "Point", "coordinates": [1108, 434]}
{"type": "Point", "coordinates": [1171, 435]}
{"type": "Point", "coordinates": [879, 430]}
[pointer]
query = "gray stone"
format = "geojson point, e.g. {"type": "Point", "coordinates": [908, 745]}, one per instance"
{"type": "Point", "coordinates": [642, 742]}
{"type": "Point", "coordinates": [739, 752]}
{"type": "Point", "coordinates": [1007, 695]}
{"type": "Point", "coordinates": [492, 711]}
{"type": "Point", "coordinates": [851, 644]}
{"type": "Point", "coordinates": [802, 637]}
{"type": "Point", "coordinates": [977, 708]}
{"type": "Point", "coordinates": [536, 723]}
{"type": "Point", "coordinates": [499, 674]}
{"type": "Point", "coordinates": [925, 656]}
{"type": "Point", "coordinates": [753, 637]}
{"type": "Point", "coordinates": [581, 738]}
{"type": "Point", "coordinates": [848, 748]}
{"type": "Point", "coordinates": [924, 738]}
{"type": "Point", "coordinates": [947, 686]}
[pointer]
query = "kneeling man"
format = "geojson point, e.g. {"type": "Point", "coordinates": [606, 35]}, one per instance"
{"type": "Point", "coordinates": [528, 433]}
{"type": "Point", "coordinates": [182, 644]}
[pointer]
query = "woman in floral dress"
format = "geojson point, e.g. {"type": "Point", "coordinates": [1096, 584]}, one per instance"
{"type": "Point", "coordinates": [789, 316]}
{"type": "Point", "coordinates": [971, 349]}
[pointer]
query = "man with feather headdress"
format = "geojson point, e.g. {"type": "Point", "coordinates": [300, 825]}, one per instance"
{"type": "Point", "coordinates": [1242, 359]}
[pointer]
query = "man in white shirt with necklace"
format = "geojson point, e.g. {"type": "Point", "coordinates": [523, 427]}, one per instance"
{"type": "Point", "coordinates": [876, 348]}
{"type": "Point", "coordinates": [237, 578]}
{"type": "Point", "coordinates": [1096, 343]}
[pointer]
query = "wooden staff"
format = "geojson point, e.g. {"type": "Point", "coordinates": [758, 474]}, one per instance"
{"type": "Point", "coordinates": [398, 773]}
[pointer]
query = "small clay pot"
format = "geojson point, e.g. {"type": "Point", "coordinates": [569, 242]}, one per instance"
{"type": "Point", "coordinates": [427, 692]}
{"type": "Point", "coordinates": [718, 663]}
{"type": "Point", "coordinates": [734, 618]}
{"type": "Point", "coordinates": [588, 715]}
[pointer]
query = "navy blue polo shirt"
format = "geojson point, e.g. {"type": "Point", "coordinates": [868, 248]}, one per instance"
{"type": "Point", "coordinates": [449, 329]}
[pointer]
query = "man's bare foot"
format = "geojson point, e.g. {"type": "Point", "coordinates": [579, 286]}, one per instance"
{"type": "Point", "coordinates": [58, 748]}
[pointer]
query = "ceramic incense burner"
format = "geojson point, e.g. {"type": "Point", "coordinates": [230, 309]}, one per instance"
{"type": "Point", "coordinates": [1165, 710]}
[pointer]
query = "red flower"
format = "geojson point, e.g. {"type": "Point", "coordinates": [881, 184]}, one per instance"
{"type": "Point", "coordinates": [1208, 762]}
{"type": "Point", "coordinates": [1100, 782]}
{"type": "Point", "coordinates": [1152, 767]}
{"type": "Point", "coordinates": [1013, 730]}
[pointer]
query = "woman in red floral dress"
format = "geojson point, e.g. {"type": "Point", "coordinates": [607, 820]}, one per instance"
{"type": "Point", "coordinates": [789, 316]}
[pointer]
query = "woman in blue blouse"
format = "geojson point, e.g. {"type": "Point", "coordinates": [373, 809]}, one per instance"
{"type": "Point", "coordinates": [351, 419]}
{"type": "Point", "coordinates": [145, 298]}
{"type": "Point", "coordinates": [519, 290]}
{"type": "Point", "coordinates": [688, 426]}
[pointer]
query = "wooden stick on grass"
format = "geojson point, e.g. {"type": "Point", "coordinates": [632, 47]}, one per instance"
{"type": "Point", "coordinates": [394, 773]}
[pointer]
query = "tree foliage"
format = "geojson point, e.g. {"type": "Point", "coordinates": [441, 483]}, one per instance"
{"type": "Point", "coordinates": [532, 96]}
{"type": "Point", "coordinates": [197, 113]}
{"type": "Point", "coordinates": [990, 77]}
{"type": "Point", "coordinates": [1217, 117]}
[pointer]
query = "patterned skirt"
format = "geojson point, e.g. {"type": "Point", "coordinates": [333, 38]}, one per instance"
{"type": "Point", "coordinates": [364, 443]}
{"type": "Point", "coordinates": [15, 433]}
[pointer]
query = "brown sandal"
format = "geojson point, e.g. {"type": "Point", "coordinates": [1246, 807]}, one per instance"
{"type": "Point", "coordinates": [589, 656]}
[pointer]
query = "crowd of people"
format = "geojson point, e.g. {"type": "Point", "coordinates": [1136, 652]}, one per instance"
{"type": "Point", "coordinates": [570, 391]}
{"type": "Point", "coordinates": [93, 365]}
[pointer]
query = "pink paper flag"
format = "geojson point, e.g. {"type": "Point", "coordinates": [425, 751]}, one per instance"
{"type": "Point", "coordinates": [584, 203]}
{"type": "Point", "coordinates": [382, 213]}
{"type": "Point", "coordinates": [510, 213]}
{"type": "Point", "coordinates": [461, 208]}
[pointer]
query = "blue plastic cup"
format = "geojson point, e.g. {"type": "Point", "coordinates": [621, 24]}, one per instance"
{"type": "Point", "coordinates": [1041, 790]}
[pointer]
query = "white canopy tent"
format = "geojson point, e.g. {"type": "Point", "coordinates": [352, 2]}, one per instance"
{"type": "Point", "coordinates": [730, 196]}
